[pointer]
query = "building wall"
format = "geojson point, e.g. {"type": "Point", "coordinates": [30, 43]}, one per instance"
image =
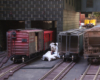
{"type": "Point", "coordinates": [29, 10]}
{"type": "Point", "coordinates": [78, 5]}
{"type": "Point", "coordinates": [70, 16]}
{"type": "Point", "coordinates": [65, 15]}
{"type": "Point", "coordinates": [5, 25]}
{"type": "Point", "coordinates": [95, 8]}
{"type": "Point", "coordinates": [43, 24]}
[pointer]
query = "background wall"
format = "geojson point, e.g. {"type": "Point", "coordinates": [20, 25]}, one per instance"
{"type": "Point", "coordinates": [47, 10]}
{"type": "Point", "coordinates": [28, 11]}
{"type": "Point", "coordinates": [5, 25]}
{"type": "Point", "coordinates": [95, 8]}
{"type": "Point", "coordinates": [70, 16]}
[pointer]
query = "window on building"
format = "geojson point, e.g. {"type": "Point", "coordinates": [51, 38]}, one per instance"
{"type": "Point", "coordinates": [89, 3]}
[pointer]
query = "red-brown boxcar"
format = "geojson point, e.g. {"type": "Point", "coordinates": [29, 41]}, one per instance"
{"type": "Point", "coordinates": [21, 44]}
{"type": "Point", "coordinates": [48, 38]}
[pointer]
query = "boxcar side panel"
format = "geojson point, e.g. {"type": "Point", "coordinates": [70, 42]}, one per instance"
{"type": "Point", "coordinates": [32, 47]}
{"type": "Point", "coordinates": [40, 41]}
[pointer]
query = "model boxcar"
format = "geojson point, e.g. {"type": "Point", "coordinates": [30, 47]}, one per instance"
{"type": "Point", "coordinates": [27, 43]}
{"type": "Point", "coordinates": [92, 44]}
{"type": "Point", "coordinates": [48, 38]}
{"type": "Point", "coordinates": [71, 44]}
{"type": "Point", "coordinates": [22, 44]}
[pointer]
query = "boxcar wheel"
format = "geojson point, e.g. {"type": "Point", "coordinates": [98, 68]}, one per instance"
{"type": "Point", "coordinates": [15, 61]}
{"type": "Point", "coordinates": [89, 60]}
{"type": "Point", "coordinates": [74, 58]}
{"type": "Point", "coordinates": [64, 58]}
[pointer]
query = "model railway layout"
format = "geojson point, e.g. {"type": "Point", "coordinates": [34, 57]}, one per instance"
{"type": "Point", "coordinates": [24, 45]}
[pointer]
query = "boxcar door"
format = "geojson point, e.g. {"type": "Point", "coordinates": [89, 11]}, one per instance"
{"type": "Point", "coordinates": [40, 41]}
{"type": "Point", "coordinates": [32, 42]}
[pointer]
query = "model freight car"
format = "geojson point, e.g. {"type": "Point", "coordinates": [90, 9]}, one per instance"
{"type": "Point", "coordinates": [25, 44]}
{"type": "Point", "coordinates": [71, 44]}
{"type": "Point", "coordinates": [48, 38]}
{"type": "Point", "coordinates": [92, 44]}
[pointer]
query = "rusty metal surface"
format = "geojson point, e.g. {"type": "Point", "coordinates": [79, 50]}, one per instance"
{"type": "Point", "coordinates": [92, 42]}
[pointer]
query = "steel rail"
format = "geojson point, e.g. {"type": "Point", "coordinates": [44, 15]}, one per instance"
{"type": "Point", "coordinates": [14, 68]}
{"type": "Point", "coordinates": [5, 67]}
{"type": "Point", "coordinates": [62, 71]}
{"type": "Point", "coordinates": [51, 70]}
{"type": "Point", "coordinates": [2, 59]}
{"type": "Point", "coordinates": [96, 74]}
{"type": "Point", "coordinates": [4, 73]}
{"type": "Point", "coordinates": [1, 55]}
{"type": "Point", "coordinates": [66, 71]}
{"type": "Point", "coordinates": [85, 72]}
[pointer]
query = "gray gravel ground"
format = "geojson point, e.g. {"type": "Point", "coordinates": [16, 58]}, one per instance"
{"type": "Point", "coordinates": [35, 74]}
{"type": "Point", "coordinates": [42, 64]}
{"type": "Point", "coordinates": [28, 74]}
{"type": "Point", "coordinates": [8, 63]}
{"type": "Point", "coordinates": [34, 70]}
{"type": "Point", "coordinates": [1, 58]}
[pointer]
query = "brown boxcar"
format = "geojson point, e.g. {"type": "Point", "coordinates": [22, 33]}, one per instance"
{"type": "Point", "coordinates": [24, 43]}
{"type": "Point", "coordinates": [92, 44]}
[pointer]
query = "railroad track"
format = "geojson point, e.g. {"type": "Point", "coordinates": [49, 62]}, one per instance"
{"type": "Point", "coordinates": [9, 70]}
{"type": "Point", "coordinates": [59, 71]}
{"type": "Point", "coordinates": [3, 59]}
{"type": "Point", "coordinates": [91, 73]}
{"type": "Point", "coordinates": [1, 55]}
